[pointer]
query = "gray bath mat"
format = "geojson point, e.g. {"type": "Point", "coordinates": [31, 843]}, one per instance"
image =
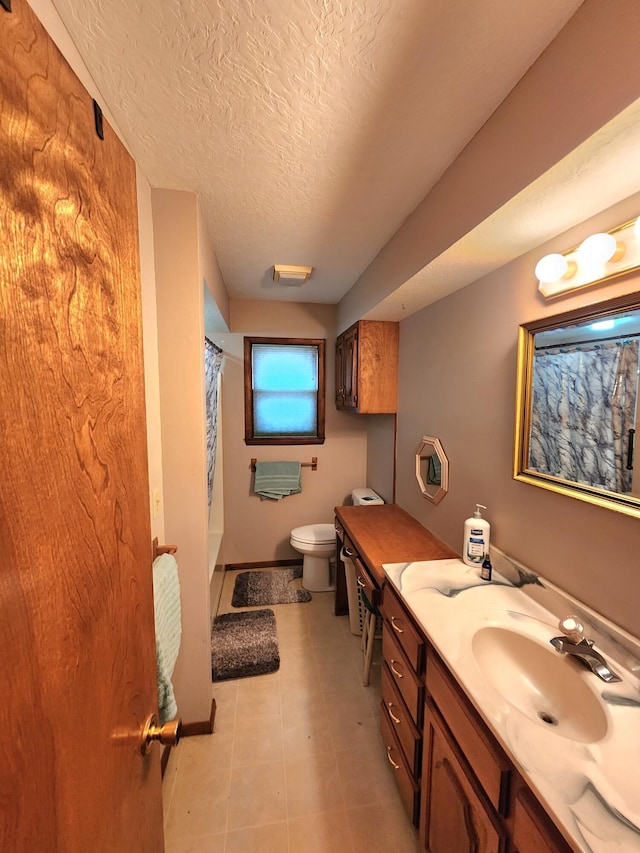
{"type": "Point", "coordinates": [255, 589]}
{"type": "Point", "coordinates": [244, 644]}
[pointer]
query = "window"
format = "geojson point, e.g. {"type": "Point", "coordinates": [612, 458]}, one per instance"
{"type": "Point", "coordinates": [283, 391]}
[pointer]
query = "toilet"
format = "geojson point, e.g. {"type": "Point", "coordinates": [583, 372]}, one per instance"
{"type": "Point", "coordinates": [317, 544]}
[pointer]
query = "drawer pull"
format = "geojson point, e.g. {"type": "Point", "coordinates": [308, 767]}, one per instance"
{"type": "Point", "coordinates": [395, 627]}
{"type": "Point", "coordinates": [394, 670]}
{"type": "Point", "coordinates": [395, 719]}
{"type": "Point", "coordinates": [347, 551]}
{"type": "Point", "coordinates": [360, 582]}
{"type": "Point", "coordinates": [391, 761]}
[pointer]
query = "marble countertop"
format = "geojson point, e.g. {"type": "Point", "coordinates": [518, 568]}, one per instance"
{"type": "Point", "coordinates": [585, 767]}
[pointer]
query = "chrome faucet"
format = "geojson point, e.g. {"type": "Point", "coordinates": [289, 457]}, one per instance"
{"type": "Point", "coordinates": [574, 643]}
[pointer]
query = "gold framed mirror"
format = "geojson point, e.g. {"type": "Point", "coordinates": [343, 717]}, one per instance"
{"type": "Point", "coordinates": [577, 404]}
{"type": "Point", "coordinates": [432, 469]}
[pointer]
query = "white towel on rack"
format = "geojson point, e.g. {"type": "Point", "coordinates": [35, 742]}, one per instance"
{"type": "Point", "coordinates": [168, 617]}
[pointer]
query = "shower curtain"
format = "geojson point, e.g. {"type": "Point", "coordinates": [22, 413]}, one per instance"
{"type": "Point", "coordinates": [212, 364]}
{"type": "Point", "coordinates": [583, 405]}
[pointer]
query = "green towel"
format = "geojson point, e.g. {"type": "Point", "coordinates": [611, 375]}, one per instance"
{"type": "Point", "coordinates": [276, 480]}
{"type": "Point", "coordinates": [434, 471]}
{"type": "Point", "coordinates": [168, 621]}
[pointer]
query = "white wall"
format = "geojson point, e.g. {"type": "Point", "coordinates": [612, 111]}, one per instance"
{"type": "Point", "coordinates": [182, 404]}
{"type": "Point", "coordinates": [150, 349]}
{"type": "Point", "coordinates": [381, 455]}
{"type": "Point", "coordinates": [257, 530]}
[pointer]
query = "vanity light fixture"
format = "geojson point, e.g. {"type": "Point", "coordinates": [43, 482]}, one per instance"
{"type": "Point", "coordinates": [599, 257]}
{"type": "Point", "coordinates": [292, 275]}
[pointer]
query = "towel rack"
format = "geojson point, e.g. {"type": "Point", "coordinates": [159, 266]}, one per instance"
{"type": "Point", "coordinates": [313, 464]}
{"type": "Point", "coordinates": [162, 549]}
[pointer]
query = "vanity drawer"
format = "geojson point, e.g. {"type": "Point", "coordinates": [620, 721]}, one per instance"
{"type": "Point", "coordinates": [487, 762]}
{"type": "Point", "coordinates": [401, 625]}
{"type": "Point", "coordinates": [400, 721]}
{"type": "Point", "coordinates": [409, 789]}
{"type": "Point", "coordinates": [402, 675]}
{"type": "Point", "coordinates": [365, 582]}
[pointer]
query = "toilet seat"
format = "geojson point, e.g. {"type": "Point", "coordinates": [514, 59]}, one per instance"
{"type": "Point", "coordinates": [315, 534]}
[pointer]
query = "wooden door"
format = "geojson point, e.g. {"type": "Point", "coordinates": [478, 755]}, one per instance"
{"type": "Point", "coordinates": [339, 373]}
{"type": "Point", "coordinates": [76, 614]}
{"type": "Point", "coordinates": [350, 369]}
{"type": "Point", "coordinates": [532, 832]}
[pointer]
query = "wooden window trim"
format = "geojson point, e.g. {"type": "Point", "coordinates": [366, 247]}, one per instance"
{"type": "Point", "coordinates": [248, 391]}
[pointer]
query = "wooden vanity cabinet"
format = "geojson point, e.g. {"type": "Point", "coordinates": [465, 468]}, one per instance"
{"type": "Point", "coordinates": [367, 367]}
{"type": "Point", "coordinates": [472, 796]}
{"type": "Point", "coordinates": [466, 776]}
{"type": "Point", "coordinates": [364, 581]}
{"type": "Point", "coordinates": [458, 785]}
{"type": "Point", "coordinates": [406, 679]}
{"type": "Point", "coordinates": [405, 778]}
{"type": "Point", "coordinates": [483, 755]}
{"type": "Point", "coordinates": [402, 699]}
{"type": "Point", "coordinates": [401, 722]}
{"type": "Point", "coordinates": [456, 781]}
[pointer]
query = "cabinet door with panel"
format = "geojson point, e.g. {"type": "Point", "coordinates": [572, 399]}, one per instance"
{"type": "Point", "coordinates": [532, 832]}
{"type": "Point", "coordinates": [454, 815]}
{"type": "Point", "coordinates": [367, 367]}
{"type": "Point", "coordinates": [347, 369]}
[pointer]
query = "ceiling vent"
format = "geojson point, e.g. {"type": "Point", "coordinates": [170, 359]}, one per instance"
{"type": "Point", "coordinates": [291, 275]}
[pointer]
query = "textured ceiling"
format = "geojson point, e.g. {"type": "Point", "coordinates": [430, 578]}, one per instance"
{"type": "Point", "coordinates": [309, 129]}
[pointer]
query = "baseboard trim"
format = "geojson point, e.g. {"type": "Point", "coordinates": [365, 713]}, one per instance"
{"type": "Point", "coordinates": [189, 730]}
{"type": "Point", "coordinates": [262, 565]}
{"type": "Point", "coordinates": [164, 759]}
{"type": "Point", "coordinates": [203, 727]}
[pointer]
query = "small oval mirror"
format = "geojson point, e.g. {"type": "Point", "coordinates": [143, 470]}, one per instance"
{"type": "Point", "coordinates": [432, 469]}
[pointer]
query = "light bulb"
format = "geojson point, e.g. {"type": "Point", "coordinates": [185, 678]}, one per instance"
{"type": "Point", "coordinates": [551, 268]}
{"type": "Point", "coordinates": [597, 250]}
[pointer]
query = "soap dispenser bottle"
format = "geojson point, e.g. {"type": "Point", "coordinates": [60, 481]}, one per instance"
{"type": "Point", "coordinates": [476, 538]}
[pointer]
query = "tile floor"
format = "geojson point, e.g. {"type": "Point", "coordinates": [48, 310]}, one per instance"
{"type": "Point", "coordinates": [295, 764]}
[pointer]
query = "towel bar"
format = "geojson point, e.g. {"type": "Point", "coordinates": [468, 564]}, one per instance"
{"type": "Point", "coordinates": [313, 464]}
{"type": "Point", "coordinates": [162, 549]}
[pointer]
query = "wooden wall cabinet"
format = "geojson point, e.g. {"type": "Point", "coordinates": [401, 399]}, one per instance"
{"type": "Point", "coordinates": [367, 367]}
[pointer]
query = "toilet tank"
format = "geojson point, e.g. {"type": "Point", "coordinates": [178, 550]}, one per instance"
{"type": "Point", "coordinates": [364, 497]}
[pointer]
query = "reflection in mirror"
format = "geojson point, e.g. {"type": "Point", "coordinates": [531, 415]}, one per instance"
{"type": "Point", "coordinates": [577, 404]}
{"type": "Point", "coordinates": [432, 469]}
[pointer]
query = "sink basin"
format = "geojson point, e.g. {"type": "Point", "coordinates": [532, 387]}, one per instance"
{"type": "Point", "coordinates": [545, 686]}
